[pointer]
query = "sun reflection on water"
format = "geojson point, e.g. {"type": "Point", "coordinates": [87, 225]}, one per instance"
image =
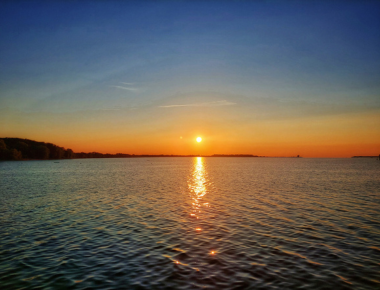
{"type": "Point", "coordinates": [197, 187]}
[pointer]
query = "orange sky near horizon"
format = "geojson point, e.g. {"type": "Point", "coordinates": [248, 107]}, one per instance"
{"type": "Point", "coordinates": [342, 135]}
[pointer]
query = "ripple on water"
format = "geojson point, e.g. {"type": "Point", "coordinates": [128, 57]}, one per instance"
{"type": "Point", "coordinates": [190, 223]}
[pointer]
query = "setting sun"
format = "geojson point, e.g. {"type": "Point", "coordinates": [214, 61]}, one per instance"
{"type": "Point", "coordinates": [199, 139]}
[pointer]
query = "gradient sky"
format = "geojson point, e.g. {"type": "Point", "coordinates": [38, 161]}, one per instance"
{"type": "Point", "coordinates": [276, 78]}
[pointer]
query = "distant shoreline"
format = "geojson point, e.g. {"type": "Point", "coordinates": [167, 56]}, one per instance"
{"type": "Point", "coordinates": [26, 149]}
{"type": "Point", "coordinates": [365, 156]}
{"type": "Point", "coordinates": [188, 156]}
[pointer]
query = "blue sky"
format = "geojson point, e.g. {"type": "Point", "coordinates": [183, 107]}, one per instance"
{"type": "Point", "coordinates": [80, 56]}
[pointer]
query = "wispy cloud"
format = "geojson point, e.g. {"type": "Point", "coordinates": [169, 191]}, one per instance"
{"type": "Point", "coordinates": [209, 104]}
{"type": "Point", "coordinates": [125, 88]}
{"type": "Point", "coordinates": [128, 84]}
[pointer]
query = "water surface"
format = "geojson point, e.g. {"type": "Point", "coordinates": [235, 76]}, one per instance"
{"type": "Point", "coordinates": [190, 223]}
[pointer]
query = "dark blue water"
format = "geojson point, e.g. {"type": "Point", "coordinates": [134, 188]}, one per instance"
{"type": "Point", "coordinates": [190, 223]}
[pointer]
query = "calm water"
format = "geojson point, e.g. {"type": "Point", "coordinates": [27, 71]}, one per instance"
{"type": "Point", "coordinates": [190, 223]}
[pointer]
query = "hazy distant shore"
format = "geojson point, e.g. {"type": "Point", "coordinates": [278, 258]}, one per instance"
{"type": "Point", "coordinates": [25, 149]}
{"type": "Point", "coordinates": [365, 156]}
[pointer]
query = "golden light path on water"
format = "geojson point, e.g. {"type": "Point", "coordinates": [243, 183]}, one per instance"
{"type": "Point", "coordinates": [198, 189]}
{"type": "Point", "coordinates": [198, 183]}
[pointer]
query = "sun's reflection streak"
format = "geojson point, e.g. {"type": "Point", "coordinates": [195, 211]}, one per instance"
{"type": "Point", "coordinates": [198, 184]}
{"type": "Point", "coordinates": [197, 187]}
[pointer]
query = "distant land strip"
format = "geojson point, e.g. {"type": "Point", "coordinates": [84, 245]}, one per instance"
{"type": "Point", "coordinates": [26, 149]}
{"type": "Point", "coordinates": [366, 156]}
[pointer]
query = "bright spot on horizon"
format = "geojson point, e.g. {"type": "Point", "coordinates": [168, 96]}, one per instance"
{"type": "Point", "coordinates": [199, 139]}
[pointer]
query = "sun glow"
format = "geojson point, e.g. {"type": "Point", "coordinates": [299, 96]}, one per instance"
{"type": "Point", "coordinates": [199, 139]}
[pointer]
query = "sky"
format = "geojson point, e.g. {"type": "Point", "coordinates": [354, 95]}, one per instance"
{"type": "Point", "coordinates": [271, 78]}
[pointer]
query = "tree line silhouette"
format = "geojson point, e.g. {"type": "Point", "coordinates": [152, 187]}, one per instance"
{"type": "Point", "coordinates": [24, 149]}
{"type": "Point", "coordinates": [18, 149]}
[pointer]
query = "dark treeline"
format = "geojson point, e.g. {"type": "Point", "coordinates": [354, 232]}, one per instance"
{"type": "Point", "coordinates": [123, 155]}
{"type": "Point", "coordinates": [101, 155]}
{"type": "Point", "coordinates": [18, 149]}
{"type": "Point", "coordinates": [24, 149]}
{"type": "Point", "coordinates": [366, 156]}
{"type": "Point", "coordinates": [234, 155]}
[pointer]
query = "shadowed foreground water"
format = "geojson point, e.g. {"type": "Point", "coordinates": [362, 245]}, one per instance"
{"type": "Point", "coordinates": [190, 223]}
